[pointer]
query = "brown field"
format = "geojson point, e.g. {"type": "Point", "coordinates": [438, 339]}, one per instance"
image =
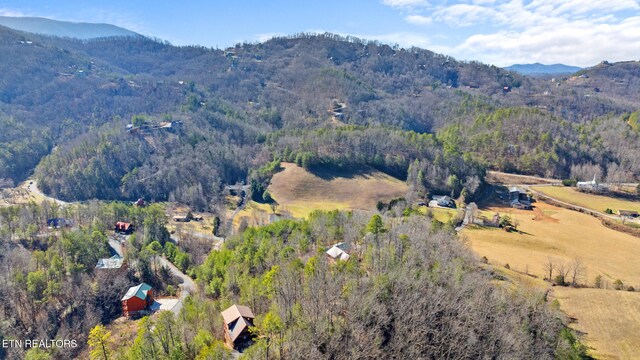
{"type": "Point", "coordinates": [609, 319]}
{"type": "Point", "coordinates": [589, 201]}
{"type": "Point", "coordinates": [298, 191]}
{"type": "Point", "coordinates": [563, 235]}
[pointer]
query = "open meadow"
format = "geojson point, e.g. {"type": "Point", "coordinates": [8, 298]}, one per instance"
{"type": "Point", "coordinates": [299, 191]}
{"type": "Point", "coordinates": [609, 320]}
{"type": "Point", "coordinates": [589, 201]}
{"type": "Point", "coordinates": [562, 235]}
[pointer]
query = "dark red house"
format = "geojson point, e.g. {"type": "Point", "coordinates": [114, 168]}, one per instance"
{"type": "Point", "coordinates": [137, 299]}
{"type": "Point", "coordinates": [124, 228]}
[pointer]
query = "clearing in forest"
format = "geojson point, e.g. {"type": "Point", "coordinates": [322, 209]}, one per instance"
{"type": "Point", "coordinates": [563, 235]}
{"type": "Point", "coordinates": [299, 191]}
{"type": "Point", "coordinates": [590, 201]}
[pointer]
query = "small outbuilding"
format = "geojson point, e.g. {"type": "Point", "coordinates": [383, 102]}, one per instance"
{"type": "Point", "coordinates": [137, 300]}
{"type": "Point", "coordinates": [181, 218]}
{"type": "Point", "coordinates": [628, 213]}
{"type": "Point", "coordinates": [237, 321]}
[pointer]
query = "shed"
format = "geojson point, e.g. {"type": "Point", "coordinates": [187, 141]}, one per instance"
{"type": "Point", "coordinates": [237, 320]}
{"type": "Point", "coordinates": [180, 218]}
{"type": "Point", "coordinates": [137, 299]}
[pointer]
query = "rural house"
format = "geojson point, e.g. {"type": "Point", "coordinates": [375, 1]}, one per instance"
{"type": "Point", "coordinates": [114, 262]}
{"type": "Point", "coordinates": [137, 300]}
{"type": "Point", "coordinates": [442, 201]}
{"type": "Point", "coordinates": [337, 252]}
{"type": "Point", "coordinates": [519, 199]}
{"type": "Point", "coordinates": [124, 228]}
{"type": "Point", "coordinates": [590, 186]}
{"type": "Point", "coordinates": [237, 320]}
{"type": "Point", "coordinates": [57, 223]}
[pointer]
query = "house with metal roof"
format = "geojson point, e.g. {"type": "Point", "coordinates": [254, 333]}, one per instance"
{"type": "Point", "coordinates": [137, 300]}
{"type": "Point", "coordinates": [337, 252]}
{"type": "Point", "coordinates": [519, 199]}
{"type": "Point", "coordinates": [237, 321]}
{"type": "Point", "coordinates": [114, 262]}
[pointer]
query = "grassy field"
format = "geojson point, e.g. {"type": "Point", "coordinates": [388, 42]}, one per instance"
{"type": "Point", "coordinates": [609, 319]}
{"type": "Point", "coordinates": [204, 227]}
{"type": "Point", "coordinates": [563, 235]}
{"type": "Point", "coordinates": [256, 215]}
{"type": "Point", "coordinates": [440, 214]}
{"type": "Point", "coordinates": [299, 191]}
{"type": "Point", "coordinates": [589, 201]}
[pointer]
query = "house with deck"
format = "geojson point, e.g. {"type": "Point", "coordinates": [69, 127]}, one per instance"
{"type": "Point", "coordinates": [237, 321]}
{"type": "Point", "coordinates": [137, 300]}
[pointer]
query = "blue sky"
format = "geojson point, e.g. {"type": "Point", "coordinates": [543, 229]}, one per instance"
{"type": "Point", "coordinates": [500, 32]}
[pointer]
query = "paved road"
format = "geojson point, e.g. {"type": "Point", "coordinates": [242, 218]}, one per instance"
{"type": "Point", "coordinates": [33, 188]}
{"type": "Point", "coordinates": [187, 286]}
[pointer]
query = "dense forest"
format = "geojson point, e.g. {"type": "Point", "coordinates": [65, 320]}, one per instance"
{"type": "Point", "coordinates": [329, 100]}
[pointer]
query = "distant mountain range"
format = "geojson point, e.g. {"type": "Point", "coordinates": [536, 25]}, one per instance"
{"type": "Point", "coordinates": [44, 26]}
{"type": "Point", "coordinates": [542, 69]}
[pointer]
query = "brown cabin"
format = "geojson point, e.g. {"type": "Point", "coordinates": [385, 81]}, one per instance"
{"type": "Point", "coordinates": [137, 300]}
{"type": "Point", "coordinates": [237, 320]}
{"type": "Point", "coordinates": [124, 228]}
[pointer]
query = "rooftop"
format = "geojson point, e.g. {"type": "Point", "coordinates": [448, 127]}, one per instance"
{"type": "Point", "coordinates": [139, 291]}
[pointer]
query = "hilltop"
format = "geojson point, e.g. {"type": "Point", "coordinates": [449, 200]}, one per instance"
{"type": "Point", "coordinates": [542, 69]}
{"type": "Point", "coordinates": [78, 30]}
{"type": "Point", "coordinates": [288, 97]}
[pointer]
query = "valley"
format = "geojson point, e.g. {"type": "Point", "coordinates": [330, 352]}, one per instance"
{"type": "Point", "coordinates": [316, 191]}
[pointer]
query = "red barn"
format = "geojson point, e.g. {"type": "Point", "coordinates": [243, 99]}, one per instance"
{"type": "Point", "coordinates": [123, 227]}
{"type": "Point", "coordinates": [137, 298]}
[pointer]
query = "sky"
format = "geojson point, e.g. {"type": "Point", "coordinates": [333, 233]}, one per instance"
{"type": "Point", "coordinates": [499, 32]}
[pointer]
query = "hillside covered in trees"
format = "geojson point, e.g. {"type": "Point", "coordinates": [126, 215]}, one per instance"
{"type": "Point", "coordinates": [201, 118]}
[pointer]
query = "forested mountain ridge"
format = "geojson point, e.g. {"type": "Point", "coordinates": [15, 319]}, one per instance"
{"type": "Point", "coordinates": [38, 25]}
{"type": "Point", "coordinates": [236, 109]}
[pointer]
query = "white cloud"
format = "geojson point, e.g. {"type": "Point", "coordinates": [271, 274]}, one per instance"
{"type": "Point", "coordinates": [577, 43]}
{"type": "Point", "coordinates": [503, 32]}
{"type": "Point", "coordinates": [12, 13]}
{"type": "Point", "coordinates": [418, 20]}
{"type": "Point", "coordinates": [466, 15]}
